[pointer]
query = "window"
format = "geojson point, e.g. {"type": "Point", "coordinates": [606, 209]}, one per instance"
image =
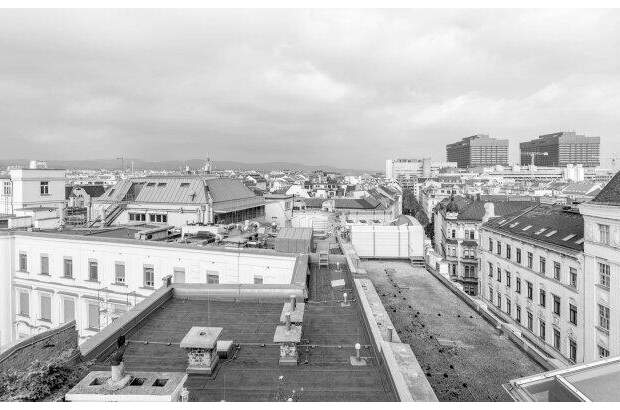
{"type": "Point", "coordinates": [93, 316]}
{"type": "Point", "coordinates": [491, 294]}
{"type": "Point", "coordinates": [604, 275]}
{"type": "Point", "coordinates": [45, 188]}
{"type": "Point", "coordinates": [530, 260]}
{"type": "Point", "coordinates": [542, 265]}
{"type": "Point", "coordinates": [45, 265]}
{"type": "Point", "coordinates": [490, 245]}
{"type": "Point", "coordinates": [518, 285]}
{"type": "Point", "coordinates": [603, 234]}
{"type": "Point", "coordinates": [602, 352]}
{"type": "Point", "coordinates": [508, 251]}
{"type": "Point", "coordinates": [603, 317]}
{"type": "Point", "coordinates": [23, 262]}
{"type": "Point", "coordinates": [499, 274]}
{"type": "Point", "coordinates": [542, 298]}
{"type": "Point", "coordinates": [556, 338]}
{"type": "Point", "coordinates": [7, 188]}
{"type": "Point", "coordinates": [93, 271]}
{"type": "Point", "coordinates": [454, 233]}
{"type": "Point", "coordinates": [490, 270]}
{"type": "Point", "coordinates": [149, 276]}
{"type": "Point", "coordinates": [258, 280]}
{"type": "Point", "coordinates": [530, 290]}
{"type": "Point", "coordinates": [499, 301]}
{"type": "Point", "coordinates": [556, 270]}
{"type": "Point", "coordinates": [573, 277]}
{"type": "Point", "coordinates": [518, 255]}
{"type": "Point", "coordinates": [137, 217]}
{"type": "Point", "coordinates": [508, 307]}
{"type": "Point", "coordinates": [518, 314]}
{"type": "Point", "coordinates": [499, 248]}
{"type": "Point", "coordinates": [160, 218]}
{"type": "Point", "coordinates": [572, 312]}
{"type": "Point", "coordinates": [119, 273]}
{"type": "Point", "coordinates": [542, 329]}
{"type": "Point", "coordinates": [507, 279]}
{"type": "Point", "coordinates": [68, 310]}
{"type": "Point", "coordinates": [68, 267]}
{"type": "Point", "coordinates": [213, 278]}
{"type": "Point", "coordinates": [572, 350]}
{"type": "Point", "coordinates": [556, 305]}
{"type": "Point", "coordinates": [530, 321]}
{"type": "Point", "coordinates": [46, 308]}
{"type": "Point", "coordinates": [24, 304]}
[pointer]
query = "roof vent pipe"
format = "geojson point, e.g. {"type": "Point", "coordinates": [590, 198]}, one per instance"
{"type": "Point", "coordinates": [357, 351]}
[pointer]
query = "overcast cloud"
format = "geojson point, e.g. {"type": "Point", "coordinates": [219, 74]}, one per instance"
{"type": "Point", "coordinates": [342, 88]}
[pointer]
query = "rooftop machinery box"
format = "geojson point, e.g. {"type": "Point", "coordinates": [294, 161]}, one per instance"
{"type": "Point", "coordinates": [394, 242]}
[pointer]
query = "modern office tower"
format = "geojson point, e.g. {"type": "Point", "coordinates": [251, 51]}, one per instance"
{"type": "Point", "coordinates": [560, 149]}
{"type": "Point", "coordinates": [478, 151]}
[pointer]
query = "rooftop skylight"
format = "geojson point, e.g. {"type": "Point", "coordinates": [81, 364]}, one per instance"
{"type": "Point", "coordinates": [566, 238]}
{"type": "Point", "coordinates": [548, 234]}
{"type": "Point", "coordinates": [526, 228]}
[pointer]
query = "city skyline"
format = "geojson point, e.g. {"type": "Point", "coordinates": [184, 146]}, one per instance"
{"type": "Point", "coordinates": [267, 84]}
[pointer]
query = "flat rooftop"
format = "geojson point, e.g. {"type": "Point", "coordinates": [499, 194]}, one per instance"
{"type": "Point", "coordinates": [463, 356]}
{"type": "Point", "coordinates": [324, 371]}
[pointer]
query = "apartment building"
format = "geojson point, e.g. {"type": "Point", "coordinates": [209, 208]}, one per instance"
{"type": "Point", "coordinates": [178, 201]}
{"type": "Point", "coordinates": [533, 275]}
{"type": "Point", "coordinates": [456, 223]}
{"type": "Point", "coordinates": [94, 275]}
{"type": "Point", "coordinates": [602, 263]}
{"type": "Point", "coordinates": [27, 190]}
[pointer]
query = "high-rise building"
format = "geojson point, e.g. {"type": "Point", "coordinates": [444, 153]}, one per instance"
{"type": "Point", "coordinates": [560, 149]}
{"type": "Point", "coordinates": [478, 151]}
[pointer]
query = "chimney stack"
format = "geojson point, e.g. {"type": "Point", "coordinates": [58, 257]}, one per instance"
{"type": "Point", "coordinates": [293, 303]}
{"type": "Point", "coordinates": [489, 211]}
{"type": "Point", "coordinates": [287, 315]}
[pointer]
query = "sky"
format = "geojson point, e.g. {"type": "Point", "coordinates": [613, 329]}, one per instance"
{"type": "Point", "coordinates": [347, 88]}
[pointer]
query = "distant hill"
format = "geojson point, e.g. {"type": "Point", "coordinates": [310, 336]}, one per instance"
{"type": "Point", "coordinates": [193, 163]}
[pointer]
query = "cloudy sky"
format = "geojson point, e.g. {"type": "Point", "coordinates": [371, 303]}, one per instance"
{"type": "Point", "coordinates": [343, 88]}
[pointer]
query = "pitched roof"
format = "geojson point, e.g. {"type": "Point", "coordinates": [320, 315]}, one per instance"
{"type": "Point", "coordinates": [610, 194]}
{"type": "Point", "coordinates": [185, 190]}
{"type": "Point", "coordinates": [553, 224]}
{"type": "Point", "coordinates": [344, 203]}
{"type": "Point", "coordinates": [475, 211]}
{"type": "Point", "coordinates": [93, 191]}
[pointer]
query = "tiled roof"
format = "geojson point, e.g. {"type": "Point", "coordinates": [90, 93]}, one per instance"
{"type": "Point", "coordinates": [94, 191]}
{"type": "Point", "coordinates": [552, 224]}
{"type": "Point", "coordinates": [475, 211]}
{"type": "Point", "coordinates": [344, 203]}
{"type": "Point", "coordinates": [610, 194]}
{"type": "Point", "coordinates": [580, 188]}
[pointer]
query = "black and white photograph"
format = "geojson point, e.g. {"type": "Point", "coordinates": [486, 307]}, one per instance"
{"type": "Point", "coordinates": [313, 202]}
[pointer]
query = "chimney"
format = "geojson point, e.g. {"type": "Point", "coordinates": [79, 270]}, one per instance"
{"type": "Point", "coordinates": [287, 315]}
{"type": "Point", "coordinates": [489, 211]}
{"type": "Point", "coordinates": [293, 303]}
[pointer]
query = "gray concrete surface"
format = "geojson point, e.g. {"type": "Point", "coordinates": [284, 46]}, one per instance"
{"type": "Point", "coordinates": [464, 357]}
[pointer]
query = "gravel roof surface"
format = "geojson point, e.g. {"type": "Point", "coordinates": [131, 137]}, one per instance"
{"type": "Point", "coordinates": [464, 357]}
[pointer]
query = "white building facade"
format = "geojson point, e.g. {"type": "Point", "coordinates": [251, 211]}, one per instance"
{"type": "Point", "coordinates": [533, 275]}
{"type": "Point", "coordinates": [52, 278]}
